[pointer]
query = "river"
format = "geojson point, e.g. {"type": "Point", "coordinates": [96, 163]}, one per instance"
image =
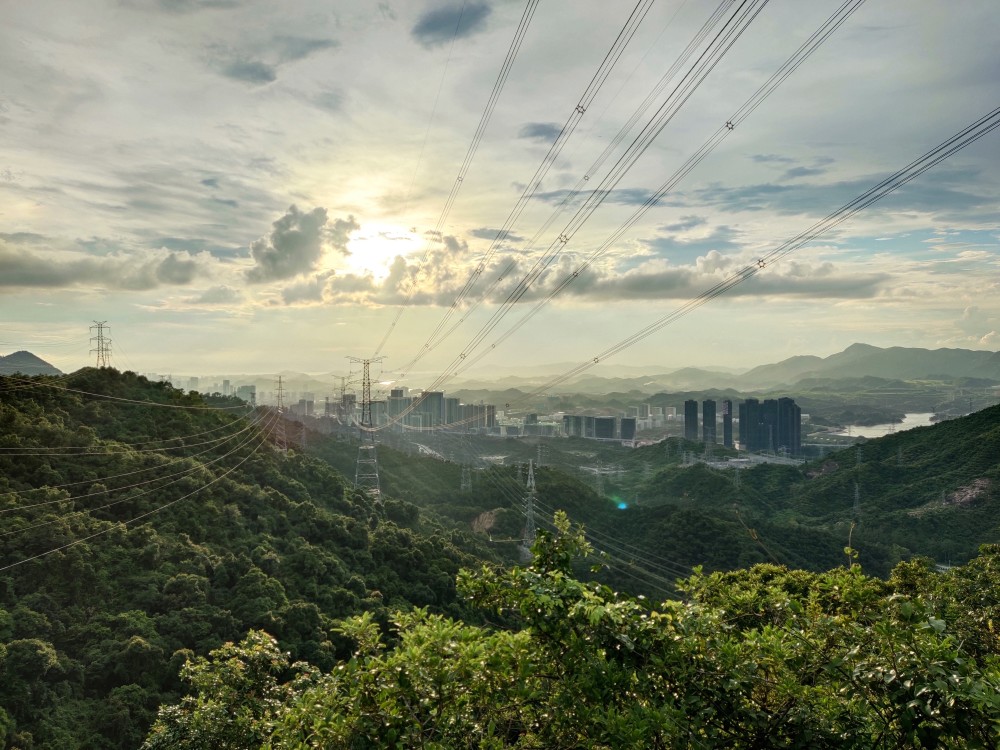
{"type": "Point", "coordinates": [919, 419]}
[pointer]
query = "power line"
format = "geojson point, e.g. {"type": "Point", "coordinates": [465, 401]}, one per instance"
{"type": "Point", "coordinates": [501, 80]}
{"type": "Point", "coordinates": [733, 28]}
{"type": "Point", "coordinates": [611, 58]}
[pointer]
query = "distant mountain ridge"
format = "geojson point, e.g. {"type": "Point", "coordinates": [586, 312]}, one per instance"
{"type": "Point", "coordinates": [897, 362]}
{"type": "Point", "coordinates": [26, 363]}
{"type": "Point", "coordinates": [856, 361]}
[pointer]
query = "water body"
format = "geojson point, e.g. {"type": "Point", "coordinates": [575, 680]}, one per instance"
{"type": "Point", "coordinates": [919, 419]}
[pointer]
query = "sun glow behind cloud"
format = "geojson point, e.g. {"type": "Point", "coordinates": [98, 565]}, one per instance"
{"type": "Point", "coordinates": [374, 247]}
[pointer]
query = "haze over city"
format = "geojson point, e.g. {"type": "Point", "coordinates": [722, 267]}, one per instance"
{"type": "Point", "coordinates": [248, 187]}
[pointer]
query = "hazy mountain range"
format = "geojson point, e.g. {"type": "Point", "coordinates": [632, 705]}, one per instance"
{"type": "Point", "coordinates": [857, 360]}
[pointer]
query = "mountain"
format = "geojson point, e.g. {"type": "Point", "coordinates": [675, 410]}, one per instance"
{"type": "Point", "coordinates": [26, 363]}
{"type": "Point", "coordinates": [143, 526]}
{"type": "Point", "coordinates": [859, 360]}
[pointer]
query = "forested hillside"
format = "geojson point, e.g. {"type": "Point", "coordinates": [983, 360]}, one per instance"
{"type": "Point", "coordinates": [760, 658]}
{"type": "Point", "coordinates": [140, 526]}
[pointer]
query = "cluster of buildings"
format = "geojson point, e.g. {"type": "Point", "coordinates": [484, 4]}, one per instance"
{"type": "Point", "coordinates": [772, 425]}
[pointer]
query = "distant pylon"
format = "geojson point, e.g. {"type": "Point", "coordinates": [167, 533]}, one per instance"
{"type": "Point", "coordinates": [466, 478]}
{"type": "Point", "coordinates": [366, 469]}
{"type": "Point", "coordinates": [528, 537]}
{"type": "Point", "coordinates": [103, 348]}
{"type": "Point", "coordinates": [280, 441]}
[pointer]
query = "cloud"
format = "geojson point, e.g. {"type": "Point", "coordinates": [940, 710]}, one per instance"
{"type": "Point", "coordinates": [796, 172]}
{"type": "Point", "coordinates": [440, 26]}
{"type": "Point", "coordinates": [217, 295]}
{"type": "Point", "coordinates": [772, 159]}
{"type": "Point", "coordinates": [685, 223]}
{"type": "Point", "coordinates": [259, 65]}
{"type": "Point", "coordinates": [297, 243]}
{"type": "Point", "coordinates": [309, 290]}
{"type": "Point", "coordinates": [976, 322]}
{"type": "Point", "coordinates": [290, 48]}
{"type": "Point", "coordinates": [657, 280]}
{"type": "Point", "coordinates": [540, 131]}
{"type": "Point", "coordinates": [22, 269]}
{"type": "Point", "coordinates": [486, 233]}
{"type": "Point", "coordinates": [294, 246]}
{"type": "Point", "coordinates": [250, 71]}
{"type": "Point", "coordinates": [340, 233]}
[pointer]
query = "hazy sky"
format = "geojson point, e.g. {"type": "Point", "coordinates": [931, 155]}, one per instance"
{"type": "Point", "coordinates": [251, 186]}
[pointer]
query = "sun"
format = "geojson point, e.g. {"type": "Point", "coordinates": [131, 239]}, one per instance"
{"type": "Point", "coordinates": [375, 246]}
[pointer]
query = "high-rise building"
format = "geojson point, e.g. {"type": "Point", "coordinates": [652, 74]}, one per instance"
{"type": "Point", "coordinates": [708, 421]}
{"type": "Point", "coordinates": [627, 429]}
{"type": "Point", "coordinates": [727, 423]}
{"type": "Point", "coordinates": [775, 425]}
{"type": "Point", "coordinates": [691, 419]}
{"type": "Point", "coordinates": [604, 428]}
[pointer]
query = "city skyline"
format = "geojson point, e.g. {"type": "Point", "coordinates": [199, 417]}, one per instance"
{"type": "Point", "coordinates": [240, 187]}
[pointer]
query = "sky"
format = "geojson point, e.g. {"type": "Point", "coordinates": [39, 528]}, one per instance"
{"type": "Point", "coordinates": [241, 186]}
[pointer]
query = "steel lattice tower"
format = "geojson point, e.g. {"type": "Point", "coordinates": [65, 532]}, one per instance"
{"type": "Point", "coordinates": [366, 468]}
{"type": "Point", "coordinates": [528, 537]}
{"type": "Point", "coordinates": [280, 441]}
{"type": "Point", "coordinates": [103, 348]}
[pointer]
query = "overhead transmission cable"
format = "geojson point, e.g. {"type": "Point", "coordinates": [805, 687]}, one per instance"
{"type": "Point", "coordinates": [174, 479]}
{"type": "Point", "coordinates": [960, 140]}
{"type": "Point", "coordinates": [147, 514]}
{"type": "Point", "coordinates": [501, 80]}
{"type": "Point", "coordinates": [709, 58]}
{"type": "Point", "coordinates": [810, 45]}
{"type": "Point", "coordinates": [253, 425]}
{"type": "Point", "coordinates": [435, 339]}
{"type": "Point", "coordinates": [592, 89]}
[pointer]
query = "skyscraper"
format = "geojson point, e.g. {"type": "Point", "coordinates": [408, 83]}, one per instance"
{"type": "Point", "coordinates": [708, 421]}
{"type": "Point", "coordinates": [727, 423]}
{"type": "Point", "coordinates": [690, 419]}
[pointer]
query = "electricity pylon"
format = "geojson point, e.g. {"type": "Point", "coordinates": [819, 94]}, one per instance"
{"type": "Point", "coordinates": [528, 536]}
{"type": "Point", "coordinates": [103, 348]}
{"type": "Point", "coordinates": [280, 441]}
{"type": "Point", "coordinates": [366, 468]}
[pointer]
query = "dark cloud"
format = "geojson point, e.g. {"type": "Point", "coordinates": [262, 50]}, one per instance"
{"type": "Point", "coordinates": [439, 26]}
{"type": "Point", "coordinates": [212, 182]}
{"type": "Point", "coordinates": [250, 71]}
{"type": "Point", "coordinates": [485, 233]}
{"type": "Point", "coordinates": [941, 192]}
{"type": "Point", "coordinates": [686, 223]}
{"type": "Point", "coordinates": [340, 233]}
{"type": "Point", "coordinates": [790, 279]}
{"type": "Point", "coordinates": [289, 48]}
{"type": "Point", "coordinates": [772, 159]}
{"type": "Point", "coordinates": [540, 131]}
{"type": "Point", "coordinates": [22, 269]}
{"type": "Point", "coordinates": [295, 244]}
{"type": "Point", "coordinates": [176, 270]}
{"type": "Point", "coordinates": [226, 202]}
{"type": "Point", "coordinates": [796, 172]}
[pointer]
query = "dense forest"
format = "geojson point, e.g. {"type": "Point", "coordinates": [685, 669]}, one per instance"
{"type": "Point", "coordinates": [162, 551]}
{"type": "Point", "coordinates": [140, 526]}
